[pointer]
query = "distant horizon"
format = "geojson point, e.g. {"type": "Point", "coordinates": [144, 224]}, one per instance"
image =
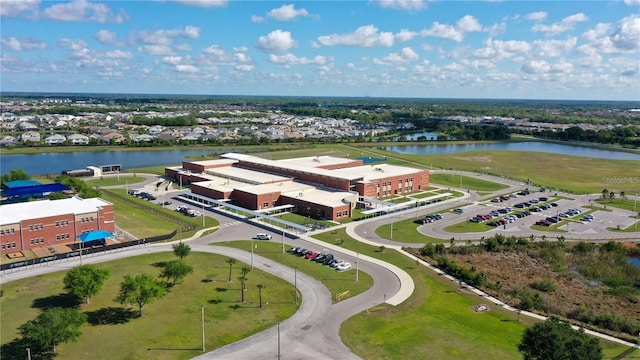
{"type": "Point", "coordinates": [415, 49]}
{"type": "Point", "coordinates": [162, 95]}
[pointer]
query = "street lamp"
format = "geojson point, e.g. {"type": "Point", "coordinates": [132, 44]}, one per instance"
{"type": "Point", "coordinates": [357, 257]}
{"type": "Point", "coordinates": [278, 341]}
{"type": "Point", "coordinates": [252, 253]}
{"type": "Point", "coordinates": [391, 234]}
{"type": "Point", "coordinates": [635, 209]}
{"type": "Point", "coordinates": [283, 241]}
{"type": "Point", "coordinates": [295, 283]}
{"type": "Point", "coordinates": [202, 317]}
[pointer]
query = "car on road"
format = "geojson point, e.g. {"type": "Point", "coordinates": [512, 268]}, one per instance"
{"type": "Point", "coordinates": [458, 210]}
{"type": "Point", "coordinates": [263, 236]}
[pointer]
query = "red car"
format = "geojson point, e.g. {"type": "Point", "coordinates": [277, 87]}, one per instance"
{"type": "Point", "coordinates": [311, 255]}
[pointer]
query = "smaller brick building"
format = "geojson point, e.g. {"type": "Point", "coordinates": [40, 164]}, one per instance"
{"type": "Point", "coordinates": [34, 224]}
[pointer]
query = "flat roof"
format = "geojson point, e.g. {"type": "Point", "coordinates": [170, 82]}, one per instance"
{"type": "Point", "coordinates": [206, 163]}
{"type": "Point", "coordinates": [324, 196]}
{"type": "Point", "coordinates": [221, 184]}
{"type": "Point", "coordinates": [380, 171]}
{"type": "Point", "coordinates": [282, 187]}
{"type": "Point", "coordinates": [14, 213]}
{"type": "Point", "coordinates": [316, 161]}
{"type": "Point", "coordinates": [246, 175]}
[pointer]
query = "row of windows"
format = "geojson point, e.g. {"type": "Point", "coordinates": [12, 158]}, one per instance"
{"type": "Point", "coordinates": [36, 241]}
{"type": "Point", "coordinates": [62, 236]}
{"type": "Point", "coordinates": [7, 231]}
{"type": "Point", "coordinates": [62, 223]}
{"type": "Point", "coordinates": [342, 213]}
{"type": "Point", "coordinates": [8, 246]}
{"type": "Point", "coordinates": [36, 227]}
{"type": "Point", "coordinates": [87, 219]}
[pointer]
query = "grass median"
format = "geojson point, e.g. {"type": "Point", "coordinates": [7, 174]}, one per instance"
{"type": "Point", "coordinates": [438, 320]}
{"type": "Point", "coordinates": [170, 327]}
{"type": "Point", "coordinates": [341, 284]}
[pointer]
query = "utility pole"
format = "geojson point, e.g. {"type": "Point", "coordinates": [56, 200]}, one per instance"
{"type": "Point", "coordinates": [202, 317]}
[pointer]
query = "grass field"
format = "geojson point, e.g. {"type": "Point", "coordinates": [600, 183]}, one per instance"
{"type": "Point", "coordinates": [170, 327]}
{"type": "Point", "coordinates": [337, 282]}
{"type": "Point", "coordinates": [465, 182]}
{"type": "Point", "coordinates": [436, 322]}
{"type": "Point", "coordinates": [123, 180]}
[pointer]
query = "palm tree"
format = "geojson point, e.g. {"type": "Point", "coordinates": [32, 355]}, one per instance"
{"type": "Point", "coordinates": [260, 287]}
{"type": "Point", "coordinates": [605, 192]}
{"type": "Point", "coordinates": [623, 195]}
{"type": "Point", "coordinates": [230, 261]}
{"type": "Point", "coordinates": [243, 279]}
{"type": "Point", "coordinates": [611, 195]}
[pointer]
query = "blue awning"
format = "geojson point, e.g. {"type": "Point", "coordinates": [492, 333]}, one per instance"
{"type": "Point", "coordinates": [95, 235]}
{"type": "Point", "coordinates": [35, 190]}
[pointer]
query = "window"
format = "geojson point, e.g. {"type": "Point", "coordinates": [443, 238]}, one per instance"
{"type": "Point", "coordinates": [30, 227]}
{"type": "Point", "coordinates": [345, 213]}
{"type": "Point", "coordinates": [265, 204]}
{"type": "Point", "coordinates": [1, 232]}
{"type": "Point", "coordinates": [66, 222]}
{"type": "Point", "coordinates": [2, 246]}
{"type": "Point", "coordinates": [58, 237]}
{"type": "Point", "coordinates": [40, 226]}
{"type": "Point", "coordinates": [31, 241]}
{"type": "Point", "coordinates": [13, 231]}
{"type": "Point", "coordinates": [13, 245]}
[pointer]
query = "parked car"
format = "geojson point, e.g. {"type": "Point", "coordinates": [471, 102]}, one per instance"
{"type": "Point", "coordinates": [458, 210]}
{"type": "Point", "coordinates": [262, 236]}
{"type": "Point", "coordinates": [343, 267]}
{"type": "Point", "coordinates": [311, 255]}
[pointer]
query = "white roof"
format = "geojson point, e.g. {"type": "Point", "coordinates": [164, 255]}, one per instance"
{"type": "Point", "coordinates": [246, 175]}
{"type": "Point", "coordinates": [205, 163]}
{"type": "Point", "coordinates": [315, 161]}
{"type": "Point", "coordinates": [14, 213]}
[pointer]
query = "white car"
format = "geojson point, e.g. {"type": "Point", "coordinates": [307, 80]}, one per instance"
{"type": "Point", "coordinates": [263, 237]}
{"type": "Point", "coordinates": [343, 266]}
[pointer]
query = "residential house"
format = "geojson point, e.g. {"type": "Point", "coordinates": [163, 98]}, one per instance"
{"type": "Point", "coordinates": [30, 137]}
{"type": "Point", "coordinates": [55, 139]}
{"type": "Point", "coordinates": [78, 139]}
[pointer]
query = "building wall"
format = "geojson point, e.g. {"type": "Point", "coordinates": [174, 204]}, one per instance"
{"type": "Point", "coordinates": [306, 208]}
{"type": "Point", "coordinates": [352, 163]}
{"type": "Point", "coordinates": [210, 193]}
{"type": "Point", "coordinates": [54, 230]}
{"type": "Point", "coordinates": [393, 185]}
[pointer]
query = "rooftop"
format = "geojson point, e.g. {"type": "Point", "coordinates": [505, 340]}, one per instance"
{"type": "Point", "coordinates": [14, 213]}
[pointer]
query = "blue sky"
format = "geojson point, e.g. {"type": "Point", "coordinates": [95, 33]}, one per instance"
{"type": "Point", "coordinates": [387, 48]}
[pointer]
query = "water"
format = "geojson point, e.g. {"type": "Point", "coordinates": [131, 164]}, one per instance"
{"type": "Point", "coordinates": [55, 163]}
{"type": "Point", "coordinates": [634, 261]}
{"type": "Point", "coordinates": [533, 146]}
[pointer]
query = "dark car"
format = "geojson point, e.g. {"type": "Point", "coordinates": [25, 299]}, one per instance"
{"type": "Point", "coordinates": [421, 221]}
{"type": "Point", "coordinates": [328, 259]}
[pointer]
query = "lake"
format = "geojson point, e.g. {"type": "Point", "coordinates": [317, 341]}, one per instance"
{"type": "Point", "coordinates": [533, 146]}
{"type": "Point", "coordinates": [55, 163]}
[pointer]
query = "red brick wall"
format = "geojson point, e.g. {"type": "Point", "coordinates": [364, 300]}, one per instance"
{"type": "Point", "coordinates": [305, 208]}
{"type": "Point", "coordinates": [389, 186]}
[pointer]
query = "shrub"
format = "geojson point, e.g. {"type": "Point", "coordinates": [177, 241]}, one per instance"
{"type": "Point", "coordinates": [546, 285]}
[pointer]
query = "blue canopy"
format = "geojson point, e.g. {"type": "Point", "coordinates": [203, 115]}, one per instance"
{"type": "Point", "coordinates": [95, 235]}
{"type": "Point", "coordinates": [35, 189]}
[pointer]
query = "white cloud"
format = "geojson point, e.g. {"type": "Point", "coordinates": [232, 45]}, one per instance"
{"type": "Point", "coordinates": [203, 3]}
{"type": "Point", "coordinates": [165, 37]}
{"type": "Point", "coordinates": [456, 33]}
{"type": "Point", "coordinates": [536, 16]}
{"type": "Point", "coordinates": [257, 19]}
{"type": "Point", "coordinates": [407, 5]}
{"type": "Point", "coordinates": [468, 24]}
{"type": "Point", "coordinates": [105, 37]}
{"type": "Point", "coordinates": [118, 54]}
{"type": "Point", "coordinates": [83, 10]}
{"type": "Point", "coordinates": [277, 42]}
{"type": "Point", "coordinates": [543, 67]}
{"type": "Point", "coordinates": [187, 68]}
{"type": "Point", "coordinates": [364, 36]}
{"type": "Point", "coordinates": [632, 2]}
{"type": "Point", "coordinates": [172, 60]}
{"type": "Point", "coordinates": [498, 50]}
{"type": "Point", "coordinates": [561, 26]}
{"type": "Point", "coordinates": [405, 35]}
{"type": "Point", "coordinates": [554, 48]}
{"type": "Point", "coordinates": [245, 67]}
{"type": "Point", "coordinates": [627, 35]}
{"type": "Point", "coordinates": [286, 13]}
{"type": "Point", "coordinates": [15, 8]}
{"type": "Point", "coordinates": [405, 56]}
{"type": "Point", "coordinates": [600, 30]}
{"type": "Point", "coordinates": [290, 59]}
{"type": "Point", "coordinates": [156, 49]}
{"type": "Point", "coordinates": [72, 44]}
{"type": "Point", "coordinates": [23, 44]}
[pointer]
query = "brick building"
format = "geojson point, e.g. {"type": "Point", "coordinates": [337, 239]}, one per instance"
{"type": "Point", "coordinates": [319, 186]}
{"type": "Point", "coordinates": [34, 224]}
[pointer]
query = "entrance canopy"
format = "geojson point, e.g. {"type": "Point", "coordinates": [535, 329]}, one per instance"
{"type": "Point", "coordinates": [95, 235]}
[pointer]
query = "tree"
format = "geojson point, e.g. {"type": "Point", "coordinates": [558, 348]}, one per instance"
{"type": "Point", "coordinates": [141, 290]}
{"type": "Point", "coordinates": [605, 193]}
{"type": "Point", "coordinates": [230, 261]}
{"type": "Point", "coordinates": [85, 281]}
{"type": "Point", "coordinates": [52, 327]}
{"type": "Point", "coordinates": [243, 279]}
{"type": "Point", "coordinates": [176, 270]}
{"type": "Point", "coordinates": [181, 250]}
{"type": "Point", "coordinates": [16, 174]}
{"type": "Point", "coordinates": [260, 288]}
{"type": "Point", "coordinates": [612, 195]}
{"type": "Point", "coordinates": [553, 339]}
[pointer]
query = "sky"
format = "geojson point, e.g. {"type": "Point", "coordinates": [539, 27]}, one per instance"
{"type": "Point", "coordinates": [584, 50]}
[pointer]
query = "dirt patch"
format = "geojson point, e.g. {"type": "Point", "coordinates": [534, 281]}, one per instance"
{"type": "Point", "coordinates": [480, 308]}
{"type": "Point", "coordinates": [476, 159]}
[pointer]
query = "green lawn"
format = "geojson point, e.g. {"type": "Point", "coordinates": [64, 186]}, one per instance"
{"type": "Point", "coordinates": [123, 180]}
{"type": "Point", "coordinates": [436, 322]}
{"type": "Point", "coordinates": [465, 182]}
{"type": "Point", "coordinates": [337, 282]}
{"type": "Point", "coordinates": [170, 327]}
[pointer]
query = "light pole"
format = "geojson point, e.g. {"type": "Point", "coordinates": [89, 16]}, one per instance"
{"type": "Point", "coordinates": [202, 317]}
{"type": "Point", "coordinates": [278, 341]}
{"type": "Point", "coordinates": [252, 253]}
{"type": "Point", "coordinates": [295, 283]}
{"type": "Point", "coordinates": [357, 257]}
{"type": "Point", "coordinates": [635, 209]}
{"type": "Point", "coordinates": [28, 353]}
{"type": "Point", "coordinates": [203, 215]}
{"type": "Point", "coordinates": [391, 233]}
{"type": "Point", "coordinates": [283, 241]}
